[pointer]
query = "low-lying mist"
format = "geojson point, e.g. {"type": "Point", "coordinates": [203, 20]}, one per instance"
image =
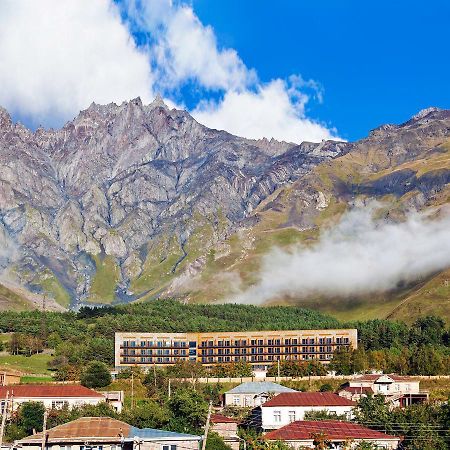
{"type": "Point", "coordinates": [359, 255]}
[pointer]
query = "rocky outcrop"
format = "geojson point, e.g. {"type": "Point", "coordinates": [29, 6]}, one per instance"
{"type": "Point", "coordinates": [117, 178]}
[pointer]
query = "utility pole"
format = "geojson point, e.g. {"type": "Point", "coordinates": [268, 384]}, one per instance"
{"type": "Point", "coordinates": [4, 414]}
{"type": "Point", "coordinates": [205, 436]}
{"type": "Point", "coordinates": [44, 431]}
{"type": "Point", "coordinates": [132, 389]}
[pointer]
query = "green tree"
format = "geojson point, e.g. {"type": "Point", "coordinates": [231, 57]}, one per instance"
{"type": "Point", "coordinates": [342, 361]}
{"type": "Point", "coordinates": [216, 442]}
{"type": "Point", "coordinates": [31, 416]}
{"type": "Point", "coordinates": [96, 375]}
{"type": "Point", "coordinates": [189, 410]}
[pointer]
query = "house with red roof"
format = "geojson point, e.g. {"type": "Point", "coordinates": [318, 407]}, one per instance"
{"type": "Point", "coordinates": [290, 407]}
{"type": "Point", "coordinates": [55, 396]}
{"type": "Point", "coordinates": [227, 428]}
{"type": "Point", "coordinates": [397, 390]}
{"type": "Point", "coordinates": [307, 433]}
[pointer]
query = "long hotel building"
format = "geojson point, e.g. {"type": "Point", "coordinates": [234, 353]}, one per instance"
{"type": "Point", "coordinates": [259, 348]}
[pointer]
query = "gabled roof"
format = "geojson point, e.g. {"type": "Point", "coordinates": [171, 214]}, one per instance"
{"type": "Point", "coordinates": [333, 429]}
{"type": "Point", "coordinates": [259, 387]}
{"type": "Point", "coordinates": [31, 391]}
{"type": "Point", "coordinates": [308, 399]}
{"type": "Point", "coordinates": [374, 377]}
{"type": "Point", "coordinates": [219, 418]}
{"type": "Point", "coordinates": [104, 429]}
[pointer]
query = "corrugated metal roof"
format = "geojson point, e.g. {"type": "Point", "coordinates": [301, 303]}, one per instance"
{"type": "Point", "coordinates": [47, 390]}
{"type": "Point", "coordinates": [333, 429]}
{"type": "Point", "coordinates": [104, 429]}
{"type": "Point", "coordinates": [258, 387]}
{"type": "Point", "coordinates": [358, 390]}
{"type": "Point", "coordinates": [308, 399]}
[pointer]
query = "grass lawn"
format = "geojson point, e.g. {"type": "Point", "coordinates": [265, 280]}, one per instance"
{"type": "Point", "coordinates": [30, 379]}
{"type": "Point", "coordinates": [35, 364]}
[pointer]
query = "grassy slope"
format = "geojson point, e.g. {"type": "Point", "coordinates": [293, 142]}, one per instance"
{"type": "Point", "coordinates": [10, 300]}
{"type": "Point", "coordinates": [236, 265]}
{"type": "Point", "coordinates": [105, 280]}
{"type": "Point", "coordinates": [34, 364]}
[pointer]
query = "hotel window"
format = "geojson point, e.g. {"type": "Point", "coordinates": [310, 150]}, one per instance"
{"type": "Point", "coordinates": [236, 351]}
{"type": "Point", "coordinates": [227, 343]}
{"type": "Point", "coordinates": [220, 351]}
{"type": "Point", "coordinates": [287, 342]}
{"type": "Point", "coordinates": [260, 341]}
{"type": "Point", "coordinates": [291, 416]}
{"type": "Point", "coordinates": [321, 349]}
{"type": "Point", "coordinates": [236, 358]}
{"type": "Point", "coordinates": [338, 340]}
{"type": "Point", "coordinates": [253, 341]}
{"type": "Point", "coordinates": [227, 359]}
{"type": "Point", "coordinates": [294, 349]}
{"type": "Point", "coordinates": [278, 350]}
{"type": "Point", "coordinates": [294, 341]}
{"type": "Point", "coordinates": [329, 340]}
{"type": "Point", "coordinates": [311, 349]}
{"type": "Point", "coordinates": [346, 340]}
{"type": "Point", "coordinates": [277, 416]}
{"type": "Point", "coordinates": [270, 350]}
{"type": "Point", "coordinates": [270, 342]}
{"type": "Point", "coordinates": [237, 343]}
{"type": "Point", "coordinates": [220, 359]}
{"type": "Point", "coordinates": [260, 349]}
{"type": "Point", "coordinates": [277, 341]}
{"type": "Point", "coordinates": [260, 358]}
{"type": "Point", "coordinates": [321, 341]}
{"type": "Point", "coordinates": [329, 349]}
{"type": "Point", "coordinates": [270, 358]}
{"type": "Point", "coordinates": [211, 343]}
{"type": "Point", "coordinates": [244, 342]}
{"type": "Point", "coordinates": [220, 343]}
{"type": "Point", "coordinates": [244, 351]}
{"type": "Point", "coordinates": [305, 349]}
{"type": "Point", "coordinates": [304, 341]}
{"type": "Point", "coordinates": [311, 341]}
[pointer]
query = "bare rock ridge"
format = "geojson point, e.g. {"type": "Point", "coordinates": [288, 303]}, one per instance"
{"type": "Point", "coordinates": [92, 207]}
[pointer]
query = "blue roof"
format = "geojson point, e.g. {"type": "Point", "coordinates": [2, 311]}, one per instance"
{"type": "Point", "coordinates": [151, 433]}
{"type": "Point", "coordinates": [258, 387]}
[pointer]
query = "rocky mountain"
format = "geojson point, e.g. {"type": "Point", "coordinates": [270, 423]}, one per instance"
{"type": "Point", "coordinates": [403, 168]}
{"type": "Point", "coordinates": [122, 200]}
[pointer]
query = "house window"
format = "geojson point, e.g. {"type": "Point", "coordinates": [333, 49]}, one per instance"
{"type": "Point", "coordinates": [169, 447]}
{"type": "Point", "coordinates": [277, 416]}
{"type": "Point", "coordinates": [57, 404]}
{"type": "Point", "coordinates": [236, 400]}
{"type": "Point", "coordinates": [291, 416]}
{"type": "Point", "coordinates": [65, 447]}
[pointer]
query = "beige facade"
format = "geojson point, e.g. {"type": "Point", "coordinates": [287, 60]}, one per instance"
{"type": "Point", "coordinates": [259, 348]}
{"type": "Point", "coordinates": [8, 378]}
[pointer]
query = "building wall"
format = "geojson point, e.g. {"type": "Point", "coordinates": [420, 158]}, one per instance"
{"type": "Point", "coordinates": [260, 349]}
{"type": "Point", "coordinates": [48, 401]}
{"type": "Point", "coordinates": [287, 413]}
{"type": "Point", "coordinates": [381, 444]}
{"type": "Point", "coordinates": [8, 378]}
{"type": "Point", "coordinates": [157, 445]}
{"type": "Point", "coordinates": [245, 400]}
{"type": "Point", "coordinates": [228, 429]}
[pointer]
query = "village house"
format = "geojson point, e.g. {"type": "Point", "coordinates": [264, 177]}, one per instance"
{"type": "Point", "coordinates": [338, 435]}
{"type": "Point", "coordinates": [8, 378]}
{"type": "Point", "coordinates": [398, 390]}
{"type": "Point", "coordinates": [56, 396]}
{"type": "Point", "coordinates": [254, 393]}
{"type": "Point", "coordinates": [227, 428]}
{"type": "Point", "coordinates": [105, 433]}
{"type": "Point", "coordinates": [292, 406]}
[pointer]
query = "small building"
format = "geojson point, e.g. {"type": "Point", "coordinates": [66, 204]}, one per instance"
{"type": "Point", "coordinates": [398, 390]}
{"type": "Point", "coordinates": [302, 434]}
{"type": "Point", "coordinates": [105, 433]}
{"type": "Point", "coordinates": [226, 427]}
{"type": "Point", "coordinates": [292, 406]}
{"type": "Point", "coordinates": [254, 393]}
{"type": "Point", "coordinates": [7, 378]}
{"type": "Point", "coordinates": [53, 396]}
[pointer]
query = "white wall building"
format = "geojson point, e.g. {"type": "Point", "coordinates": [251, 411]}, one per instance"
{"type": "Point", "coordinates": [55, 396]}
{"type": "Point", "coordinates": [290, 407]}
{"type": "Point", "coordinates": [254, 393]}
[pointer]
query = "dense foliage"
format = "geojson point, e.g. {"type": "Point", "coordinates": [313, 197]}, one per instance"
{"type": "Point", "coordinates": [81, 337]}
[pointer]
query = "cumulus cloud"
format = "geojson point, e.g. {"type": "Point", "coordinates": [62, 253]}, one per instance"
{"type": "Point", "coordinates": [59, 56]}
{"type": "Point", "coordinates": [358, 256]}
{"type": "Point", "coordinates": [276, 109]}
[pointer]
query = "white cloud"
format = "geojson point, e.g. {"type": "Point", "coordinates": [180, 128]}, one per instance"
{"type": "Point", "coordinates": [358, 256]}
{"type": "Point", "coordinates": [276, 110]}
{"type": "Point", "coordinates": [57, 56]}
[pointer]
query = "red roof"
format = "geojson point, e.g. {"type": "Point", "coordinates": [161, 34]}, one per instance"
{"type": "Point", "coordinates": [358, 390]}
{"type": "Point", "coordinates": [308, 399]}
{"type": "Point", "coordinates": [219, 418]}
{"type": "Point", "coordinates": [333, 429]}
{"type": "Point", "coordinates": [374, 377]}
{"type": "Point", "coordinates": [30, 391]}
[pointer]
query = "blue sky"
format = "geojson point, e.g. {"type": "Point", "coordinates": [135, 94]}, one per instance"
{"type": "Point", "coordinates": [292, 70]}
{"type": "Point", "coordinates": [379, 62]}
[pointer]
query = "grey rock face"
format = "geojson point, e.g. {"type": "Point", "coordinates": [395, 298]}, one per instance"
{"type": "Point", "coordinates": [119, 176]}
